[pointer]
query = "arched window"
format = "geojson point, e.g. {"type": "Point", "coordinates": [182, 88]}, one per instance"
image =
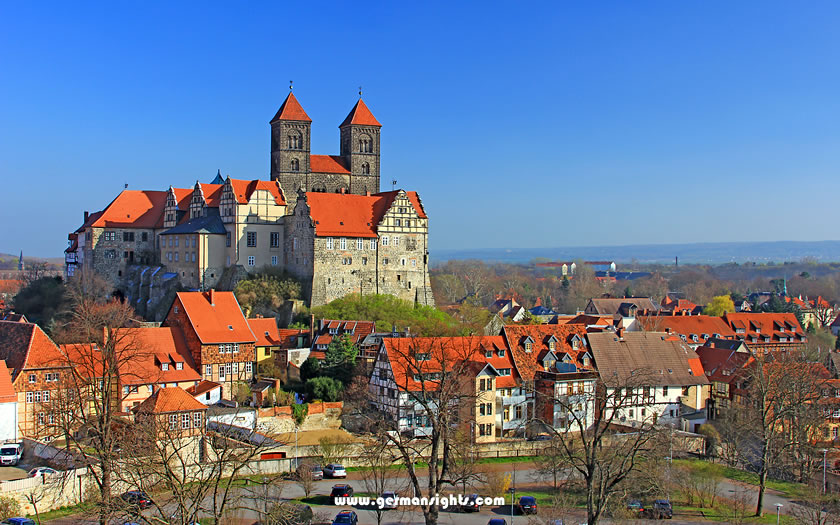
{"type": "Point", "coordinates": [366, 168]}
{"type": "Point", "coordinates": [295, 165]}
{"type": "Point", "coordinates": [365, 144]}
{"type": "Point", "coordinates": [295, 140]}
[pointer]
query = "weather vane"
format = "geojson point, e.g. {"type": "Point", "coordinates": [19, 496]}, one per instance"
{"type": "Point", "coordinates": [360, 91]}
{"type": "Point", "coordinates": [393, 183]}
{"type": "Point", "coordinates": [290, 84]}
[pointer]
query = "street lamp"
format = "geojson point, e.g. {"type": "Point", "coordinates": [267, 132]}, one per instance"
{"type": "Point", "coordinates": [296, 447]}
{"type": "Point", "coordinates": [512, 491]}
{"type": "Point", "coordinates": [824, 451]}
{"type": "Point", "coordinates": [778, 512]}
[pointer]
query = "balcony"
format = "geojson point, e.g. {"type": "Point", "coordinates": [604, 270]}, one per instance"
{"type": "Point", "coordinates": [514, 400]}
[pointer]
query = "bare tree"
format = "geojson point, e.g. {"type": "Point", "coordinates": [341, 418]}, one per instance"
{"type": "Point", "coordinates": [593, 445]}
{"type": "Point", "coordinates": [817, 509]}
{"type": "Point", "coordinates": [333, 449]}
{"type": "Point", "coordinates": [465, 461]}
{"type": "Point", "coordinates": [552, 463]}
{"type": "Point", "coordinates": [305, 478]}
{"type": "Point", "coordinates": [377, 458]}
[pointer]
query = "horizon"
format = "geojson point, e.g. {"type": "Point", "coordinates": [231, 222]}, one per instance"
{"type": "Point", "coordinates": [567, 126]}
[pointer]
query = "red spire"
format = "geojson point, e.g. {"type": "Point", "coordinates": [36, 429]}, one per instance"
{"type": "Point", "coordinates": [360, 115]}
{"type": "Point", "coordinates": [291, 110]}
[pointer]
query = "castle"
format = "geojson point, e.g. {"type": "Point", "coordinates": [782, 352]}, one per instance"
{"type": "Point", "coordinates": [320, 217]}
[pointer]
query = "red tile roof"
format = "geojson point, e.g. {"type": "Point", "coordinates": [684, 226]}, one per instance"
{"type": "Point", "coordinates": [219, 322]}
{"type": "Point", "coordinates": [722, 365]}
{"type": "Point", "coordinates": [133, 209]}
{"type": "Point", "coordinates": [701, 326]}
{"type": "Point", "coordinates": [243, 189]}
{"type": "Point", "coordinates": [93, 217]}
{"type": "Point", "coordinates": [25, 346]}
{"type": "Point", "coordinates": [166, 400]}
{"type": "Point", "coordinates": [359, 329]}
{"type": "Point", "coordinates": [289, 337]}
{"type": "Point", "coordinates": [11, 286]}
{"type": "Point", "coordinates": [449, 353]}
{"type": "Point", "coordinates": [291, 110]}
{"type": "Point", "coordinates": [265, 330]}
{"type": "Point", "coordinates": [202, 388]}
{"type": "Point", "coordinates": [528, 363]}
{"type": "Point", "coordinates": [7, 391]}
{"type": "Point", "coordinates": [360, 115]}
{"type": "Point", "coordinates": [764, 325]}
{"type": "Point", "coordinates": [152, 347]}
{"type": "Point", "coordinates": [588, 320]}
{"type": "Point", "coordinates": [346, 215]}
{"type": "Point", "coordinates": [328, 164]}
{"type": "Point", "coordinates": [212, 194]}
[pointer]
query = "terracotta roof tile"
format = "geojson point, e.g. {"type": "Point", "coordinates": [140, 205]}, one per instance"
{"type": "Point", "coordinates": [289, 337]}
{"type": "Point", "coordinates": [529, 363]}
{"type": "Point", "coordinates": [133, 209]}
{"type": "Point", "coordinates": [337, 214]}
{"type": "Point", "coordinates": [153, 347]}
{"type": "Point", "coordinates": [360, 115]}
{"type": "Point", "coordinates": [219, 322]}
{"type": "Point", "coordinates": [265, 330]}
{"type": "Point", "coordinates": [243, 189]}
{"type": "Point", "coordinates": [291, 110]}
{"type": "Point", "coordinates": [722, 365]}
{"type": "Point", "coordinates": [328, 164]}
{"type": "Point", "coordinates": [7, 391]}
{"type": "Point", "coordinates": [25, 345]}
{"type": "Point", "coordinates": [689, 325]}
{"type": "Point", "coordinates": [202, 388]}
{"type": "Point", "coordinates": [166, 400]}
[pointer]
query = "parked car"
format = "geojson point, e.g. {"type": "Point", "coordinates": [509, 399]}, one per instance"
{"type": "Point", "coordinates": [472, 504]}
{"type": "Point", "coordinates": [660, 510]}
{"type": "Point", "coordinates": [11, 453]}
{"type": "Point", "coordinates": [42, 471]}
{"type": "Point", "coordinates": [334, 470]}
{"type": "Point", "coordinates": [390, 498]}
{"type": "Point", "coordinates": [316, 471]}
{"type": "Point", "coordinates": [340, 491]}
{"type": "Point", "coordinates": [497, 521]}
{"type": "Point", "coordinates": [346, 517]}
{"type": "Point", "coordinates": [17, 521]}
{"type": "Point", "coordinates": [540, 437]}
{"type": "Point", "coordinates": [635, 506]}
{"type": "Point", "coordinates": [137, 498]}
{"type": "Point", "coordinates": [527, 505]}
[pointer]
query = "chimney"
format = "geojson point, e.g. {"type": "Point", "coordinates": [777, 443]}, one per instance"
{"type": "Point", "coordinates": [620, 333]}
{"type": "Point", "coordinates": [212, 297]}
{"type": "Point", "coordinates": [87, 214]}
{"type": "Point", "coordinates": [367, 193]}
{"type": "Point", "coordinates": [343, 190]}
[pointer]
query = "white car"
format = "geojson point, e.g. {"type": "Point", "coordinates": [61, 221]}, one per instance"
{"type": "Point", "coordinates": [11, 453]}
{"type": "Point", "coordinates": [334, 470]}
{"type": "Point", "coordinates": [42, 471]}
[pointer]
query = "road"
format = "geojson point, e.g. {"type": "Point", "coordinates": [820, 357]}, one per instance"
{"type": "Point", "coordinates": [251, 500]}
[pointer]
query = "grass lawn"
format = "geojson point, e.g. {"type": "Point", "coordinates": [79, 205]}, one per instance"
{"type": "Point", "coordinates": [788, 489]}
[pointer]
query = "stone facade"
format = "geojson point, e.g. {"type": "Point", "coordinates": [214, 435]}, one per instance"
{"type": "Point", "coordinates": [108, 251]}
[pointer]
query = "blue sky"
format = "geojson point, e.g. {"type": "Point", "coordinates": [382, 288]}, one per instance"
{"type": "Point", "coordinates": [521, 124]}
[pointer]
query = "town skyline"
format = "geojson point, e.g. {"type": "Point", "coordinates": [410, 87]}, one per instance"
{"type": "Point", "coordinates": [512, 112]}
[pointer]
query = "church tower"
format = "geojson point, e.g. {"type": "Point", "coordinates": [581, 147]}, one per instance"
{"type": "Point", "coordinates": [291, 135]}
{"type": "Point", "coordinates": [360, 147]}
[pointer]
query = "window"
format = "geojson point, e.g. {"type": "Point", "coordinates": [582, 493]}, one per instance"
{"type": "Point", "coordinates": [528, 346]}
{"type": "Point", "coordinates": [329, 243]}
{"type": "Point", "coordinates": [273, 260]}
{"type": "Point", "coordinates": [227, 239]}
{"type": "Point", "coordinates": [373, 244]}
{"type": "Point", "coordinates": [222, 372]}
{"type": "Point", "coordinates": [179, 366]}
{"type": "Point", "coordinates": [295, 165]}
{"type": "Point", "coordinates": [414, 262]}
{"type": "Point", "coordinates": [128, 236]}
{"type": "Point", "coordinates": [208, 370]}
{"type": "Point", "coordinates": [185, 421]}
{"type": "Point", "coordinates": [664, 390]}
{"type": "Point", "coordinates": [173, 421]}
{"type": "Point", "coordinates": [360, 244]}
{"type": "Point", "coordinates": [517, 412]}
{"type": "Point", "coordinates": [342, 243]}
{"type": "Point", "coordinates": [235, 368]}
{"type": "Point", "coordinates": [294, 244]}
{"type": "Point", "coordinates": [37, 397]}
{"type": "Point", "coordinates": [176, 256]}
{"type": "Point", "coordinates": [396, 240]}
{"type": "Point", "coordinates": [249, 368]}
{"type": "Point", "coordinates": [385, 240]}
{"type": "Point", "coordinates": [421, 356]}
{"type": "Point", "coordinates": [252, 260]}
{"type": "Point", "coordinates": [197, 420]}
{"type": "Point", "coordinates": [402, 261]}
{"type": "Point", "coordinates": [384, 261]}
{"type": "Point", "coordinates": [164, 366]}
{"type": "Point", "coordinates": [40, 418]}
{"type": "Point", "coordinates": [32, 378]}
{"type": "Point", "coordinates": [30, 397]}
{"type": "Point", "coordinates": [275, 239]}
{"type": "Point", "coordinates": [235, 348]}
{"type": "Point", "coordinates": [500, 352]}
{"type": "Point", "coordinates": [504, 371]}
{"type": "Point", "coordinates": [834, 432]}
{"type": "Point", "coordinates": [252, 239]}
{"type": "Point", "coordinates": [397, 222]}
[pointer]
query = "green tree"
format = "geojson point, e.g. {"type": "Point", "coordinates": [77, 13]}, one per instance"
{"type": "Point", "coordinates": [266, 292]}
{"type": "Point", "coordinates": [340, 359]}
{"type": "Point", "coordinates": [324, 388]}
{"type": "Point", "coordinates": [309, 369]}
{"type": "Point", "coordinates": [388, 312]}
{"type": "Point", "coordinates": [41, 300]}
{"type": "Point", "coordinates": [719, 305]}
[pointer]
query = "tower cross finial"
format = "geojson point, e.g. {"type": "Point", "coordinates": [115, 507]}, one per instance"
{"type": "Point", "coordinates": [290, 85]}
{"type": "Point", "coordinates": [360, 91]}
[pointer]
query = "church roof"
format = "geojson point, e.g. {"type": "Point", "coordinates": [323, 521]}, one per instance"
{"type": "Point", "coordinates": [327, 164]}
{"type": "Point", "coordinates": [360, 115]}
{"type": "Point", "coordinates": [291, 110]}
{"type": "Point", "coordinates": [348, 215]}
{"type": "Point", "coordinates": [133, 209]}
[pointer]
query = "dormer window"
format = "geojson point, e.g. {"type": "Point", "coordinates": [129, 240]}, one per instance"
{"type": "Point", "coordinates": [164, 366]}
{"type": "Point", "coordinates": [500, 352]}
{"type": "Point", "coordinates": [528, 346]}
{"type": "Point", "coordinates": [552, 345]}
{"type": "Point", "coordinates": [421, 356]}
{"type": "Point", "coordinates": [488, 353]}
{"type": "Point", "coordinates": [179, 366]}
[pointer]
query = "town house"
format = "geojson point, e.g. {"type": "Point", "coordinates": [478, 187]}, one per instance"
{"type": "Point", "coordinates": [217, 335]}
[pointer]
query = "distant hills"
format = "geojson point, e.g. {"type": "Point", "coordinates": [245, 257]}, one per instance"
{"type": "Point", "coordinates": [9, 261]}
{"type": "Point", "coordinates": [691, 253]}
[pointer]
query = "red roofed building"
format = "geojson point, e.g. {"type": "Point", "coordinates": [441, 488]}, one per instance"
{"type": "Point", "coordinates": [767, 332]}
{"type": "Point", "coordinates": [174, 413]}
{"type": "Point", "coordinates": [328, 329]}
{"type": "Point", "coordinates": [726, 371]}
{"type": "Point", "coordinates": [693, 329]}
{"type": "Point", "coordinates": [354, 170]}
{"type": "Point", "coordinates": [217, 335]}
{"type": "Point", "coordinates": [8, 406]}
{"type": "Point", "coordinates": [366, 244]}
{"type": "Point", "coordinates": [481, 377]}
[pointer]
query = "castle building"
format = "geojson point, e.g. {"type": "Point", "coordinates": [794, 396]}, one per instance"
{"type": "Point", "coordinates": [347, 237]}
